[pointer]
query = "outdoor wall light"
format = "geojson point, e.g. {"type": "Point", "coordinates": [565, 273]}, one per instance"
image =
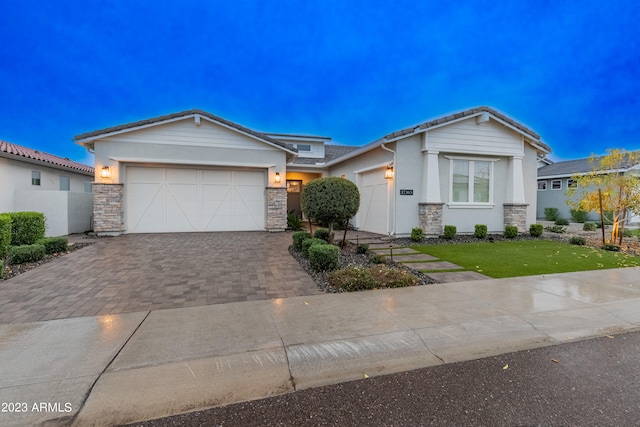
{"type": "Point", "coordinates": [105, 172]}
{"type": "Point", "coordinates": [388, 172]}
{"type": "Point", "coordinates": [278, 179]}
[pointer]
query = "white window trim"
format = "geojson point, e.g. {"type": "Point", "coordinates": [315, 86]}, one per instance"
{"type": "Point", "coordinates": [39, 184]}
{"type": "Point", "coordinates": [556, 180]}
{"type": "Point", "coordinates": [458, 205]}
{"type": "Point", "coordinates": [546, 185]}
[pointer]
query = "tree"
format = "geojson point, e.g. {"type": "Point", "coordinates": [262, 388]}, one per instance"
{"type": "Point", "coordinates": [609, 187]}
{"type": "Point", "coordinates": [330, 200]}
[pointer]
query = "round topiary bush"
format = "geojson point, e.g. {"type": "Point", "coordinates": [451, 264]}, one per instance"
{"type": "Point", "coordinates": [480, 231]}
{"type": "Point", "coordinates": [330, 200]}
{"type": "Point", "coordinates": [536, 230]}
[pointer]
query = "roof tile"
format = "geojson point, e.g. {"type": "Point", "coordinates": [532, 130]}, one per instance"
{"type": "Point", "coordinates": [46, 158]}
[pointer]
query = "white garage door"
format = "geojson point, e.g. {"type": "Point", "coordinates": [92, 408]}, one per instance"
{"type": "Point", "coordinates": [374, 207]}
{"type": "Point", "coordinates": [180, 200]}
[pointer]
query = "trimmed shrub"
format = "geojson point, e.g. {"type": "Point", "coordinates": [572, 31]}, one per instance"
{"type": "Point", "coordinates": [310, 242]}
{"type": "Point", "coordinates": [578, 215]}
{"type": "Point", "coordinates": [551, 214]}
{"type": "Point", "coordinates": [556, 229]}
{"type": "Point", "coordinates": [387, 277]}
{"type": "Point", "coordinates": [378, 259]}
{"type": "Point", "coordinates": [362, 248]}
{"type": "Point", "coordinates": [26, 253]}
{"type": "Point", "coordinates": [535, 230]}
{"type": "Point", "coordinates": [5, 234]}
{"type": "Point", "coordinates": [481, 231]}
{"type": "Point", "coordinates": [322, 233]}
{"type": "Point", "coordinates": [589, 226]}
{"type": "Point", "coordinates": [54, 245]}
{"type": "Point", "coordinates": [26, 228]}
{"type": "Point", "coordinates": [562, 221]}
{"type": "Point", "coordinates": [293, 222]}
{"type": "Point", "coordinates": [511, 231]}
{"type": "Point", "coordinates": [417, 234]}
{"type": "Point", "coordinates": [324, 257]}
{"type": "Point", "coordinates": [580, 241]}
{"type": "Point", "coordinates": [351, 279]}
{"type": "Point", "coordinates": [450, 231]}
{"type": "Point", "coordinates": [610, 247]}
{"type": "Point", "coordinates": [299, 237]}
{"type": "Point", "coordinates": [380, 276]}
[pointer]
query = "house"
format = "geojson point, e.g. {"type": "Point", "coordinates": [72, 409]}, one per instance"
{"type": "Point", "coordinates": [58, 187]}
{"type": "Point", "coordinates": [194, 171]}
{"type": "Point", "coordinates": [555, 178]}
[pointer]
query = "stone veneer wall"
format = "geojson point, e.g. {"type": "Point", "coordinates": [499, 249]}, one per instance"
{"type": "Point", "coordinates": [430, 217]}
{"type": "Point", "coordinates": [108, 217]}
{"type": "Point", "coordinates": [516, 214]}
{"type": "Point", "coordinates": [276, 208]}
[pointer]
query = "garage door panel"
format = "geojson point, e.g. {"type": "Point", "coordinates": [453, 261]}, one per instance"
{"type": "Point", "coordinates": [373, 212]}
{"type": "Point", "coordinates": [174, 199]}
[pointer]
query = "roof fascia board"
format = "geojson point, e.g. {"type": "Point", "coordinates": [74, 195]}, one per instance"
{"type": "Point", "coordinates": [92, 139]}
{"type": "Point", "coordinates": [44, 164]}
{"type": "Point", "coordinates": [569, 175]}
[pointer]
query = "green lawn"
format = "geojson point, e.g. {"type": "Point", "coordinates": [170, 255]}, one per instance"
{"type": "Point", "coordinates": [527, 257]}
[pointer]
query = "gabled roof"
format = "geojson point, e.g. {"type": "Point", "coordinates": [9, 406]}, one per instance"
{"type": "Point", "coordinates": [534, 137]}
{"type": "Point", "coordinates": [18, 152]}
{"type": "Point", "coordinates": [572, 167]}
{"type": "Point", "coordinates": [331, 152]}
{"type": "Point", "coordinates": [87, 138]}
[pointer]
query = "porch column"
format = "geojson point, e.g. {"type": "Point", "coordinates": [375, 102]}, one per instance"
{"type": "Point", "coordinates": [430, 208]}
{"type": "Point", "coordinates": [108, 213]}
{"type": "Point", "coordinates": [515, 207]}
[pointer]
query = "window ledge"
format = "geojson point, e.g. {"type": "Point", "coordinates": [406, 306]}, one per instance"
{"type": "Point", "coordinates": [471, 205]}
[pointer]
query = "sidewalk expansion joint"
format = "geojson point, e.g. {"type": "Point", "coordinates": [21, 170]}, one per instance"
{"type": "Point", "coordinates": [88, 393]}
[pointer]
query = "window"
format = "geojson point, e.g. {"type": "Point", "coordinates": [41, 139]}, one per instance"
{"type": "Point", "coordinates": [556, 184]}
{"type": "Point", "coordinates": [87, 187]}
{"type": "Point", "coordinates": [35, 178]}
{"type": "Point", "coordinates": [303, 147]}
{"type": "Point", "coordinates": [572, 183]}
{"type": "Point", "coordinates": [64, 183]}
{"type": "Point", "coordinates": [471, 181]}
{"type": "Point", "coordinates": [542, 185]}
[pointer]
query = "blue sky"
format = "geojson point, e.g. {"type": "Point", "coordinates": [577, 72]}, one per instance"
{"type": "Point", "coordinates": [350, 70]}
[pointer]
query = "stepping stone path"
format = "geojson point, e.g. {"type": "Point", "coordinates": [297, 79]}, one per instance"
{"type": "Point", "coordinates": [425, 263]}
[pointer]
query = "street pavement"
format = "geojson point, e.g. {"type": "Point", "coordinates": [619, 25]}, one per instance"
{"type": "Point", "coordinates": [593, 382]}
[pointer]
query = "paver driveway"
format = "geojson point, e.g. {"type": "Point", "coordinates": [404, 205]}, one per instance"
{"type": "Point", "coordinates": [139, 272]}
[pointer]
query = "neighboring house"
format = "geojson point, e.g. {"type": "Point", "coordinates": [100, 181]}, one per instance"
{"type": "Point", "coordinates": [193, 171]}
{"type": "Point", "coordinates": [58, 187]}
{"type": "Point", "coordinates": [554, 179]}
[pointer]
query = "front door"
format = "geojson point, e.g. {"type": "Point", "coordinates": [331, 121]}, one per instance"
{"type": "Point", "coordinates": [294, 187]}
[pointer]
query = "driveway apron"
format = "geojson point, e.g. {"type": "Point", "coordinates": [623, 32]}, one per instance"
{"type": "Point", "coordinates": [140, 272]}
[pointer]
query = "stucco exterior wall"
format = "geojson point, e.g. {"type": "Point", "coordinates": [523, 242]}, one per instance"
{"type": "Point", "coordinates": [65, 212]}
{"type": "Point", "coordinates": [15, 176]}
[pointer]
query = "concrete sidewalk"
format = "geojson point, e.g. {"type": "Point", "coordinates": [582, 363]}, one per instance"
{"type": "Point", "coordinates": [128, 367]}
